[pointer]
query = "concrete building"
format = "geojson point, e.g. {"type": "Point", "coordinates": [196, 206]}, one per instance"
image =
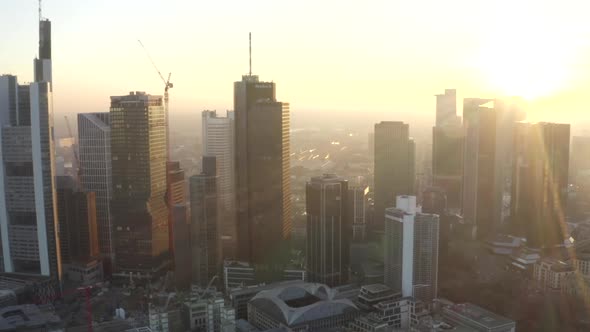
{"type": "Point", "coordinates": [394, 166]}
{"type": "Point", "coordinates": [411, 250]}
{"type": "Point", "coordinates": [300, 307]}
{"type": "Point", "coordinates": [206, 310]}
{"type": "Point", "coordinates": [540, 185]}
{"type": "Point", "coordinates": [263, 191]}
{"type": "Point", "coordinates": [219, 141]}
{"type": "Point", "coordinates": [238, 274]}
{"type": "Point", "coordinates": [477, 318]}
{"type": "Point", "coordinates": [372, 294]}
{"type": "Point", "coordinates": [328, 230]}
{"type": "Point", "coordinates": [94, 144]}
{"type": "Point", "coordinates": [205, 239]}
{"type": "Point", "coordinates": [138, 205]}
{"type": "Point", "coordinates": [550, 273]}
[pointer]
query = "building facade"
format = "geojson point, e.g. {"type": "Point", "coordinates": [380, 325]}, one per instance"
{"type": "Point", "coordinates": [358, 202]}
{"type": "Point", "coordinates": [263, 191]}
{"type": "Point", "coordinates": [138, 205]}
{"type": "Point", "coordinates": [394, 166]}
{"type": "Point", "coordinates": [219, 141]}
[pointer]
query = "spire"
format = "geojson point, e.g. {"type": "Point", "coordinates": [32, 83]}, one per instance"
{"type": "Point", "coordinates": [249, 48]}
{"type": "Point", "coordinates": [39, 10]}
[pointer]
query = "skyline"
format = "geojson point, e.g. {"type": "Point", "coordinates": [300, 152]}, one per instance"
{"type": "Point", "coordinates": [429, 51]}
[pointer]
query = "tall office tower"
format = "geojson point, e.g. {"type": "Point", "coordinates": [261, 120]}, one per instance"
{"type": "Point", "coordinates": [176, 190]}
{"type": "Point", "coordinates": [77, 222]}
{"type": "Point", "coordinates": [446, 109]}
{"type": "Point", "coordinates": [479, 173]}
{"type": "Point", "coordinates": [182, 247]}
{"type": "Point", "coordinates": [411, 250]}
{"type": "Point", "coordinates": [539, 187]}
{"type": "Point", "coordinates": [94, 144]}
{"type": "Point", "coordinates": [218, 141]}
{"type": "Point", "coordinates": [579, 160]}
{"type": "Point", "coordinates": [394, 166]}
{"type": "Point", "coordinates": [205, 239]}
{"type": "Point", "coordinates": [138, 206]}
{"type": "Point", "coordinates": [28, 212]}
{"type": "Point", "coordinates": [328, 230]}
{"type": "Point", "coordinates": [263, 192]}
{"type": "Point", "coordinates": [357, 210]}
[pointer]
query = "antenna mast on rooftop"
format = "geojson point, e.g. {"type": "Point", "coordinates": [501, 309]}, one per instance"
{"type": "Point", "coordinates": [249, 48]}
{"type": "Point", "coordinates": [40, 11]}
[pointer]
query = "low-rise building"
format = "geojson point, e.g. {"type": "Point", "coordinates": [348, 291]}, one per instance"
{"type": "Point", "coordinates": [28, 317]}
{"type": "Point", "coordinates": [477, 318]}
{"type": "Point", "coordinates": [85, 272]}
{"type": "Point", "coordinates": [301, 307]}
{"type": "Point", "coordinates": [372, 294]}
{"type": "Point", "coordinates": [550, 273]}
{"type": "Point", "coordinates": [502, 244]}
{"type": "Point", "coordinates": [576, 285]}
{"type": "Point", "coordinates": [206, 310]}
{"type": "Point", "coordinates": [239, 297]}
{"type": "Point", "coordinates": [237, 274]}
{"type": "Point", "coordinates": [524, 260]}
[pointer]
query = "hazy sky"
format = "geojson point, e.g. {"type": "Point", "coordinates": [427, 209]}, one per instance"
{"type": "Point", "coordinates": [328, 56]}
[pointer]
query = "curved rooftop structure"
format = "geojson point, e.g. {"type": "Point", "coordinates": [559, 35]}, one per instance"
{"type": "Point", "coordinates": [300, 303]}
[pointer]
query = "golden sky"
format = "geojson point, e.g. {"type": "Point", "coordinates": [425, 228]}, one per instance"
{"type": "Point", "coordinates": [324, 55]}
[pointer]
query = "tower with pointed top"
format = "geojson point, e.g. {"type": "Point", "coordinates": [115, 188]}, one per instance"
{"type": "Point", "coordinates": [263, 193]}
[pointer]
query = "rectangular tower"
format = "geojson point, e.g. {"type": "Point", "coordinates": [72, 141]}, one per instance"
{"type": "Point", "coordinates": [138, 205]}
{"type": "Point", "coordinates": [263, 198]}
{"type": "Point", "coordinates": [394, 166]}
{"type": "Point", "coordinates": [328, 230]}
{"type": "Point", "coordinates": [219, 141]}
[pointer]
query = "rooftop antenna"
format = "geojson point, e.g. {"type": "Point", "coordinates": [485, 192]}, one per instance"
{"type": "Point", "coordinates": [39, 10]}
{"type": "Point", "coordinates": [249, 47]}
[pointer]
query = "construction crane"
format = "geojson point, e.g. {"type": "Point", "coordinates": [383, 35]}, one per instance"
{"type": "Point", "coordinates": [77, 166]}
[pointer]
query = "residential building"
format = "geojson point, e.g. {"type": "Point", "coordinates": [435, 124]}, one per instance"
{"type": "Point", "coordinates": [394, 166]}
{"type": "Point", "coordinates": [540, 185]}
{"type": "Point", "coordinates": [219, 141]}
{"type": "Point", "coordinates": [204, 228]}
{"type": "Point", "coordinates": [138, 205]}
{"type": "Point", "coordinates": [411, 250]}
{"type": "Point", "coordinates": [94, 145]}
{"type": "Point", "coordinates": [550, 273]}
{"type": "Point", "coordinates": [263, 191]}
{"type": "Point", "coordinates": [328, 230]}
{"type": "Point", "coordinates": [307, 306]}
{"type": "Point", "coordinates": [477, 318]}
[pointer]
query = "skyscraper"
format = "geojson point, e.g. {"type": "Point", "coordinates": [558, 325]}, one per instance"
{"type": "Point", "coordinates": [540, 183]}
{"type": "Point", "coordinates": [579, 160]}
{"type": "Point", "coordinates": [446, 109]}
{"type": "Point", "coordinates": [328, 229]}
{"type": "Point", "coordinates": [28, 212]}
{"type": "Point", "coordinates": [479, 124]}
{"type": "Point", "coordinates": [219, 141]}
{"type": "Point", "coordinates": [447, 162]}
{"type": "Point", "coordinates": [205, 239]}
{"type": "Point", "coordinates": [176, 191]}
{"type": "Point", "coordinates": [411, 250]}
{"type": "Point", "coordinates": [394, 166]}
{"type": "Point", "coordinates": [357, 210]}
{"type": "Point", "coordinates": [94, 144]}
{"type": "Point", "coordinates": [263, 198]}
{"type": "Point", "coordinates": [138, 205]}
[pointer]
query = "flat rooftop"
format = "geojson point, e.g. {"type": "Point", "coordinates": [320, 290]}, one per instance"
{"type": "Point", "coordinates": [480, 315]}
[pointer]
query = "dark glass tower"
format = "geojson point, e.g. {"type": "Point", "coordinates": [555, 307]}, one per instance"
{"type": "Point", "coordinates": [262, 169]}
{"type": "Point", "coordinates": [139, 211]}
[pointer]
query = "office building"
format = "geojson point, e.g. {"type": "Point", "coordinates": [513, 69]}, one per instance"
{"type": "Point", "coordinates": [411, 250]}
{"type": "Point", "coordinates": [447, 162]}
{"type": "Point", "coordinates": [204, 228]}
{"type": "Point", "coordinates": [78, 234]}
{"type": "Point", "coordinates": [182, 247]}
{"type": "Point", "coordinates": [479, 123]}
{"type": "Point", "coordinates": [446, 109]}
{"type": "Point", "coordinates": [94, 144]}
{"type": "Point", "coordinates": [138, 205]}
{"type": "Point", "coordinates": [477, 318]}
{"type": "Point", "coordinates": [357, 205]}
{"type": "Point", "coordinates": [263, 191]}
{"type": "Point", "coordinates": [219, 141]}
{"type": "Point", "coordinates": [579, 161]}
{"type": "Point", "coordinates": [206, 310]}
{"type": "Point", "coordinates": [28, 214]}
{"type": "Point", "coordinates": [328, 230]}
{"type": "Point", "coordinates": [394, 166]}
{"type": "Point", "coordinates": [237, 274]}
{"type": "Point", "coordinates": [303, 306]}
{"type": "Point", "coordinates": [540, 184]}
{"type": "Point", "coordinates": [176, 196]}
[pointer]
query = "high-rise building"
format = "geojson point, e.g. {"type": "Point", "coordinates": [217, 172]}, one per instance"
{"type": "Point", "coordinates": [328, 230]}
{"type": "Point", "coordinates": [78, 234]}
{"type": "Point", "coordinates": [579, 160]}
{"type": "Point", "coordinates": [411, 250]}
{"type": "Point", "coordinates": [138, 205]}
{"type": "Point", "coordinates": [446, 109]}
{"type": "Point", "coordinates": [479, 123]}
{"type": "Point", "coordinates": [218, 141]}
{"type": "Point", "coordinates": [357, 205]}
{"type": "Point", "coordinates": [182, 247]}
{"type": "Point", "coordinates": [263, 192]}
{"type": "Point", "coordinates": [539, 187]}
{"type": "Point", "coordinates": [447, 162]}
{"type": "Point", "coordinates": [177, 196]}
{"type": "Point", "coordinates": [394, 166]}
{"type": "Point", "coordinates": [28, 212]}
{"type": "Point", "coordinates": [94, 143]}
{"type": "Point", "coordinates": [204, 228]}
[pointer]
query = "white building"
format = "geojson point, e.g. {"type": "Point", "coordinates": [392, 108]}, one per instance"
{"type": "Point", "coordinates": [207, 311]}
{"type": "Point", "coordinates": [411, 250]}
{"type": "Point", "coordinates": [218, 141]}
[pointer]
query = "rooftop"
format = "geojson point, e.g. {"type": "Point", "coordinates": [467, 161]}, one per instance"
{"type": "Point", "coordinates": [479, 315]}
